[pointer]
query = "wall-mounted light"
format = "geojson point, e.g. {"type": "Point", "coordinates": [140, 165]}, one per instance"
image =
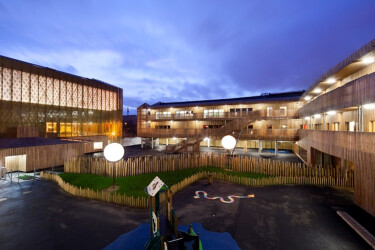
{"type": "Point", "coordinates": [307, 118]}
{"type": "Point", "coordinates": [368, 60]}
{"type": "Point", "coordinates": [369, 106]}
{"type": "Point", "coordinates": [174, 138]}
{"type": "Point", "coordinates": [307, 98]}
{"type": "Point", "coordinates": [317, 116]}
{"type": "Point", "coordinates": [206, 139]}
{"type": "Point", "coordinates": [317, 90]}
{"type": "Point", "coordinates": [332, 112]}
{"type": "Point", "coordinates": [331, 80]}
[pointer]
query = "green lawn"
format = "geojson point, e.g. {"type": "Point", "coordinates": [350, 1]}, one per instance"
{"type": "Point", "coordinates": [134, 185]}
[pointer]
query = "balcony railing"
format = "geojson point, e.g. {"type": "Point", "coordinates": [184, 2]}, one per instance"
{"type": "Point", "coordinates": [257, 114]}
{"type": "Point", "coordinates": [178, 132]}
{"type": "Point", "coordinates": [271, 134]}
{"type": "Point", "coordinates": [253, 134]}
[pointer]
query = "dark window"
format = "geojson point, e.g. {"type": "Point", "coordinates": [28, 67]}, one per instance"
{"type": "Point", "coordinates": [243, 110]}
{"type": "Point", "coordinates": [238, 110]}
{"type": "Point", "coordinates": [162, 127]}
{"type": "Point", "coordinates": [250, 109]}
{"type": "Point", "coordinates": [232, 110]}
{"type": "Point", "coordinates": [250, 126]}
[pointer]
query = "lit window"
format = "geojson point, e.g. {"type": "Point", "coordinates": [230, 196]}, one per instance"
{"type": "Point", "coordinates": [51, 127]}
{"type": "Point", "coordinates": [98, 145]}
{"type": "Point", "coordinates": [283, 111]}
{"type": "Point", "coordinates": [213, 113]}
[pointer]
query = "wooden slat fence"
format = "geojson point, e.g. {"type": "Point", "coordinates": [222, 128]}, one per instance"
{"type": "Point", "coordinates": [152, 164]}
{"type": "Point", "coordinates": [142, 202]}
{"type": "Point", "coordinates": [139, 202]}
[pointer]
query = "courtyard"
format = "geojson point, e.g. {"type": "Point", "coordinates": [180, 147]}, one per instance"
{"type": "Point", "coordinates": [39, 215]}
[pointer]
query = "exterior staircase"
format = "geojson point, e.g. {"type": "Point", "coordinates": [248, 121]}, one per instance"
{"type": "Point", "coordinates": [233, 127]}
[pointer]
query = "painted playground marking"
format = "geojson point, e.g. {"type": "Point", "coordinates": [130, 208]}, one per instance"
{"type": "Point", "coordinates": [230, 197]}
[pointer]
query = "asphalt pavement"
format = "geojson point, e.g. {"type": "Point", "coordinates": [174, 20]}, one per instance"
{"type": "Point", "coordinates": [39, 215]}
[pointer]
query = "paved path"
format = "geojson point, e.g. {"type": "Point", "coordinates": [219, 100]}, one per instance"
{"type": "Point", "coordinates": [39, 215]}
{"type": "Point", "coordinates": [279, 217]}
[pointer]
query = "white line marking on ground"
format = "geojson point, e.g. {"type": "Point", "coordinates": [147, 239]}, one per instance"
{"type": "Point", "coordinates": [3, 199]}
{"type": "Point", "coordinates": [26, 192]}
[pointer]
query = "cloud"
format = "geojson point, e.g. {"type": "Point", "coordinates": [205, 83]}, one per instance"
{"type": "Point", "coordinates": [181, 51]}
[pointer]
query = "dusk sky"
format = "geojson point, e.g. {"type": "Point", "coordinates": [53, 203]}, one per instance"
{"type": "Point", "coordinates": [187, 50]}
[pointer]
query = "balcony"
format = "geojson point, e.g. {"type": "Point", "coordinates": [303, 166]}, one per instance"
{"type": "Point", "coordinates": [271, 134]}
{"type": "Point", "coordinates": [254, 134]}
{"type": "Point", "coordinates": [353, 94]}
{"type": "Point", "coordinates": [254, 115]}
{"type": "Point", "coordinates": [178, 132]}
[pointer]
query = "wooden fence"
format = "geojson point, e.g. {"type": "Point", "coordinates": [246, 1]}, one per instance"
{"type": "Point", "coordinates": [139, 202]}
{"type": "Point", "coordinates": [142, 202]}
{"type": "Point", "coordinates": [151, 164]}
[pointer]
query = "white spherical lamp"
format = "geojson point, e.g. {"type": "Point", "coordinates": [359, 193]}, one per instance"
{"type": "Point", "coordinates": [228, 142]}
{"type": "Point", "coordinates": [114, 152]}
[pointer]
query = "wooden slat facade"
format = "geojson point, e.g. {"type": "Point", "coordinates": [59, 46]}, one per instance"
{"type": "Point", "coordinates": [40, 157]}
{"type": "Point", "coordinates": [46, 156]}
{"type": "Point", "coordinates": [355, 147]}
{"type": "Point", "coordinates": [20, 132]}
{"type": "Point", "coordinates": [346, 67]}
{"type": "Point", "coordinates": [353, 94]}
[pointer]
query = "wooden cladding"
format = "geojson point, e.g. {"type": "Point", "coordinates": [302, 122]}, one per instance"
{"type": "Point", "coordinates": [250, 134]}
{"type": "Point", "coordinates": [40, 157]}
{"type": "Point", "coordinates": [46, 156]}
{"type": "Point", "coordinates": [21, 132]}
{"type": "Point", "coordinates": [353, 94]}
{"type": "Point", "coordinates": [355, 147]}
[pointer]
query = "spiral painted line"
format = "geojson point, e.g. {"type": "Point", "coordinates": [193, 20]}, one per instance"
{"type": "Point", "coordinates": [230, 197]}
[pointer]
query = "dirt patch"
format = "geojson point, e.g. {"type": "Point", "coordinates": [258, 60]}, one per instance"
{"type": "Point", "coordinates": [111, 189]}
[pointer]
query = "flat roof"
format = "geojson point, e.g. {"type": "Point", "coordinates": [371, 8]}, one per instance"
{"type": "Point", "coordinates": [271, 97]}
{"type": "Point", "coordinates": [30, 142]}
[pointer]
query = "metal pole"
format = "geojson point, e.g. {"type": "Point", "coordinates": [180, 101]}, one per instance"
{"type": "Point", "coordinates": [113, 183]}
{"type": "Point", "coordinates": [11, 175]}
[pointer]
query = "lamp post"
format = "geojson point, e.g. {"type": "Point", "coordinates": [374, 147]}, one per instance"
{"type": "Point", "coordinates": [114, 152]}
{"type": "Point", "coordinates": [228, 142]}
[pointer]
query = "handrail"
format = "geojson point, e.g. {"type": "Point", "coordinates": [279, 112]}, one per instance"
{"type": "Point", "coordinates": [256, 114]}
{"type": "Point", "coordinates": [228, 128]}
